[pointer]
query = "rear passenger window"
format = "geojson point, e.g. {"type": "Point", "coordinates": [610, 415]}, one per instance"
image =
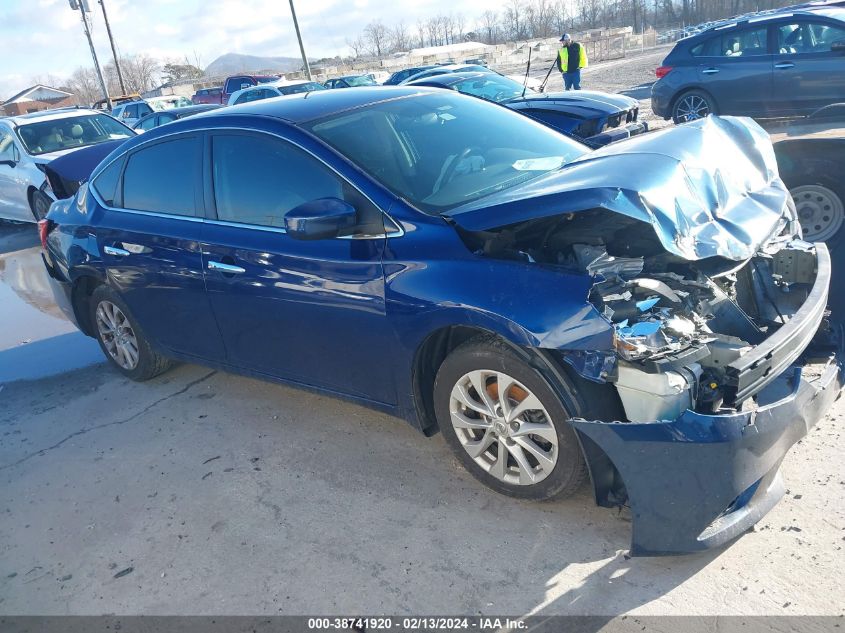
{"type": "Point", "coordinates": [161, 178]}
{"type": "Point", "coordinates": [106, 182]}
{"type": "Point", "coordinates": [741, 43]}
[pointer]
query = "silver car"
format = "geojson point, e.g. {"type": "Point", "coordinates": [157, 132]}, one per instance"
{"type": "Point", "coordinates": [29, 141]}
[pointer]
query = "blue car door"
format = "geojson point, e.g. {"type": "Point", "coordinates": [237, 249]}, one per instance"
{"type": "Point", "coordinates": [308, 311]}
{"type": "Point", "coordinates": [148, 237]}
{"type": "Point", "coordinates": [809, 72]}
{"type": "Point", "coordinates": [735, 67]}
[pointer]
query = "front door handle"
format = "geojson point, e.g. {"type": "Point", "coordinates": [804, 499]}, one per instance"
{"type": "Point", "coordinates": [784, 65]}
{"type": "Point", "coordinates": [114, 250]}
{"type": "Point", "coordinates": [709, 71]}
{"type": "Point", "coordinates": [226, 269]}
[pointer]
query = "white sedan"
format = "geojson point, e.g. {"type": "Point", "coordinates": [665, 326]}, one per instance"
{"type": "Point", "coordinates": [29, 141]}
{"type": "Point", "coordinates": [274, 89]}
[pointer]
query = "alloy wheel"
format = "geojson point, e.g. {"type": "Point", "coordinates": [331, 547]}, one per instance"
{"type": "Point", "coordinates": [503, 427]}
{"type": "Point", "coordinates": [691, 108]}
{"type": "Point", "coordinates": [117, 335]}
{"type": "Point", "coordinates": [820, 211]}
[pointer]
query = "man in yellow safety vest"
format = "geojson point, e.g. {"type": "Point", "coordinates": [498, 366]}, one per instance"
{"type": "Point", "coordinates": [571, 58]}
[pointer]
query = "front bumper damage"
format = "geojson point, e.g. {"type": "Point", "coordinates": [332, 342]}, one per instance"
{"type": "Point", "coordinates": [700, 480]}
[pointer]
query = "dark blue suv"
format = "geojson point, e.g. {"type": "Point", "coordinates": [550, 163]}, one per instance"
{"type": "Point", "coordinates": [778, 64]}
{"type": "Point", "coordinates": [553, 311]}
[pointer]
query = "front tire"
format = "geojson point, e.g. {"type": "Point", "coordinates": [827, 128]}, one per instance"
{"type": "Point", "coordinates": [121, 339]}
{"type": "Point", "coordinates": [692, 105]}
{"type": "Point", "coordinates": [506, 424]}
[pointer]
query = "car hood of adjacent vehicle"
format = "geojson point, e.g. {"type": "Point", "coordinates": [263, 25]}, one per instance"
{"type": "Point", "coordinates": [592, 99]}
{"type": "Point", "coordinates": [708, 188]}
{"type": "Point", "coordinates": [71, 168]}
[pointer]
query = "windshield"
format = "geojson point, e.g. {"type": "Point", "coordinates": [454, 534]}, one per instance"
{"type": "Point", "coordinates": [492, 87]}
{"type": "Point", "coordinates": [363, 80]}
{"type": "Point", "coordinates": [77, 131]}
{"type": "Point", "coordinates": [439, 151]}
{"type": "Point", "coordinates": [306, 87]}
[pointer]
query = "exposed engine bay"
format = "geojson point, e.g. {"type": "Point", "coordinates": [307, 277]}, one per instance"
{"type": "Point", "coordinates": [685, 331]}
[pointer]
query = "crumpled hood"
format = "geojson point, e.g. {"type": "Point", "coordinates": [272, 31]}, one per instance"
{"type": "Point", "coordinates": [708, 188]}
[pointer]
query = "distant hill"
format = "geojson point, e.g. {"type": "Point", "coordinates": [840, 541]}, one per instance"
{"type": "Point", "coordinates": [232, 63]}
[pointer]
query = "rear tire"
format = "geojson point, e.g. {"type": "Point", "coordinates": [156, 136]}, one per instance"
{"type": "Point", "coordinates": [692, 105]}
{"type": "Point", "coordinates": [523, 445]}
{"type": "Point", "coordinates": [121, 339]}
{"type": "Point", "coordinates": [39, 204]}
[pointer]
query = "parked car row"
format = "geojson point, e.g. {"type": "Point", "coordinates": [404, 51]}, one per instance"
{"type": "Point", "coordinates": [558, 313]}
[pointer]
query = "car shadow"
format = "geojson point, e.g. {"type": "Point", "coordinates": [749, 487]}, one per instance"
{"type": "Point", "coordinates": [643, 91]}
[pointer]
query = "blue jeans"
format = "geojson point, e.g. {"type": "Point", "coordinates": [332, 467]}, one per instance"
{"type": "Point", "coordinates": [572, 81]}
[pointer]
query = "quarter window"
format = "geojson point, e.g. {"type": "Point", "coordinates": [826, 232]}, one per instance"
{"type": "Point", "coordinates": [277, 178]}
{"type": "Point", "coordinates": [161, 178]}
{"type": "Point", "coordinates": [106, 182]}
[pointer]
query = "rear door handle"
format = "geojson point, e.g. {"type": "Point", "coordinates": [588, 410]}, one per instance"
{"type": "Point", "coordinates": [709, 71]}
{"type": "Point", "coordinates": [784, 65]}
{"type": "Point", "coordinates": [114, 250]}
{"type": "Point", "coordinates": [226, 269]}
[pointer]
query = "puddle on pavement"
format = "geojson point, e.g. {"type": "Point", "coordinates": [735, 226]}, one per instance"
{"type": "Point", "coordinates": [36, 340]}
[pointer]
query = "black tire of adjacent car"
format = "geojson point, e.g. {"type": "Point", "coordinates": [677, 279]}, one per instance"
{"type": "Point", "coordinates": [692, 94]}
{"type": "Point", "coordinates": [150, 363]}
{"type": "Point", "coordinates": [490, 353]}
{"type": "Point", "coordinates": [836, 188]}
{"type": "Point", "coordinates": [39, 204]}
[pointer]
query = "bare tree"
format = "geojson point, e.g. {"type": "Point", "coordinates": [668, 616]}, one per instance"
{"type": "Point", "coordinates": [140, 72]}
{"type": "Point", "coordinates": [377, 37]}
{"type": "Point", "coordinates": [84, 84]}
{"type": "Point", "coordinates": [399, 38]}
{"type": "Point", "coordinates": [489, 25]}
{"type": "Point", "coordinates": [421, 30]}
{"type": "Point", "coordinates": [358, 46]}
{"type": "Point", "coordinates": [512, 21]}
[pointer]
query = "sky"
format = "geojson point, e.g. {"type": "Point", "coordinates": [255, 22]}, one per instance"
{"type": "Point", "coordinates": [45, 37]}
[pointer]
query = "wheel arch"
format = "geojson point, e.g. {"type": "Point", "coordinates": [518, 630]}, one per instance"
{"type": "Point", "coordinates": [601, 400]}
{"type": "Point", "coordinates": [83, 287]}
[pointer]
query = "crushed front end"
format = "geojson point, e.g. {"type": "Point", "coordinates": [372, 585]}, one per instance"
{"type": "Point", "coordinates": [719, 373]}
{"type": "Point", "coordinates": [722, 356]}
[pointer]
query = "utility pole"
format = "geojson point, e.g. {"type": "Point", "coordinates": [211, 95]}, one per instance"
{"type": "Point", "coordinates": [113, 49]}
{"type": "Point", "coordinates": [82, 7]}
{"type": "Point", "coordinates": [301, 46]}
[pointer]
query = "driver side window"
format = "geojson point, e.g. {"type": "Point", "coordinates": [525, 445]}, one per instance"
{"type": "Point", "coordinates": [277, 178]}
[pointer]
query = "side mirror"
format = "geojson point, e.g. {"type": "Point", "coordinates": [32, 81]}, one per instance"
{"type": "Point", "coordinates": [10, 163]}
{"type": "Point", "coordinates": [320, 219]}
{"type": "Point", "coordinates": [838, 46]}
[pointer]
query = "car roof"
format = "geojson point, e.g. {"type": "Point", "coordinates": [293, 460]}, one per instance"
{"type": "Point", "coordinates": [184, 110]}
{"type": "Point", "coordinates": [833, 10]}
{"type": "Point", "coordinates": [307, 106]}
{"type": "Point", "coordinates": [448, 79]}
{"type": "Point", "coordinates": [50, 115]}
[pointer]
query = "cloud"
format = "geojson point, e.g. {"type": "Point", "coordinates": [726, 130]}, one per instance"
{"type": "Point", "coordinates": [46, 37]}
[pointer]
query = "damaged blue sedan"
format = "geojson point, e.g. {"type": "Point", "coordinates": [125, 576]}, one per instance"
{"type": "Point", "coordinates": [646, 315]}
